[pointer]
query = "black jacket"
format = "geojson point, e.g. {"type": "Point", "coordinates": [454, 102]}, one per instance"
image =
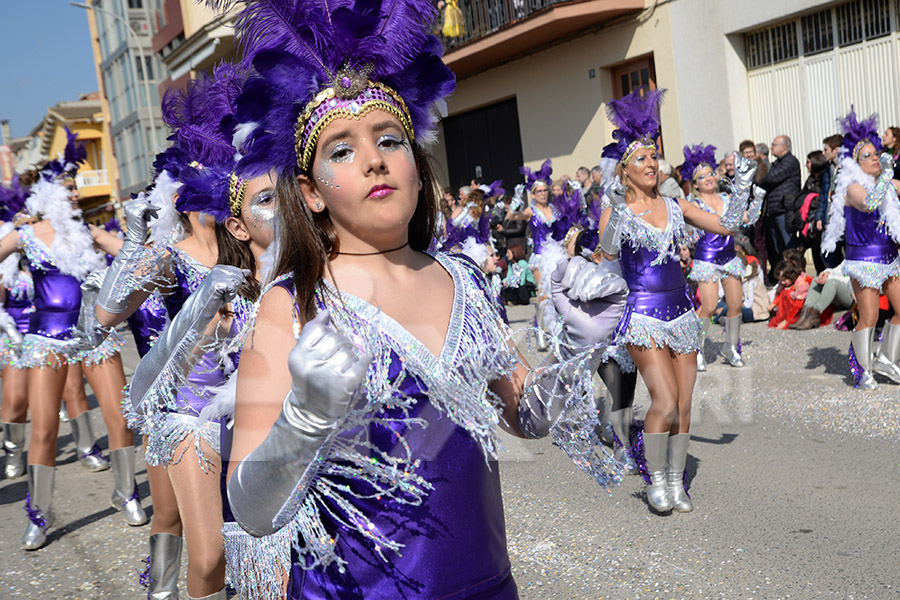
{"type": "Point", "coordinates": [782, 183]}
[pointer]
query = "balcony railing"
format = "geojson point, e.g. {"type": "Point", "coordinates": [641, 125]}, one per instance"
{"type": "Point", "coordinates": [475, 19]}
{"type": "Point", "coordinates": [91, 178]}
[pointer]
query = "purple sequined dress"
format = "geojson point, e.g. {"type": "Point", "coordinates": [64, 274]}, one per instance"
{"type": "Point", "coordinates": [176, 399]}
{"type": "Point", "coordinates": [871, 255]}
{"type": "Point", "coordinates": [57, 300]}
{"type": "Point", "coordinates": [20, 306]}
{"type": "Point", "coordinates": [714, 255]}
{"type": "Point", "coordinates": [659, 310]}
{"type": "Point", "coordinates": [441, 532]}
{"type": "Point", "coordinates": [148, 322]}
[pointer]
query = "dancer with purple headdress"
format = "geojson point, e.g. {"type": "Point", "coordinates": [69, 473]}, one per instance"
{"type": "Point", "coordinates": [714, 257]}
{"type": "Point", "coordinates": [659, 329]}
{"type": "Point", "coordinates": [365, 338]}
{"type": "Point", "coordinates": [864, 212]}
{"type": "Point", "coordinates": [18, 304]}
{"type": "Point", "coordinates": [60, 254]}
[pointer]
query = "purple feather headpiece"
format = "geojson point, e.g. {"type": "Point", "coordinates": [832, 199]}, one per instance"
{"type": "Point", "coordinates": [113, 225]}
{"type": "Point", "coordinates": [542, 175]}
{"type": "Point", "coordinates": [636, 117]}
{"type": "Point", "coordinates": [12, 199]}
{"type": "Point", "coordinates": [317, 60]}
{"type": "Point", "coordinates": [859, 133]}
{"type": "Point", "coordinates": [698, 156]}
{"type": "Point", "coordinates": [202, 122]}
{"type": "Point", "coordinates": [493, 190]}
{"type": "Point", "coordinates": [67, 165]}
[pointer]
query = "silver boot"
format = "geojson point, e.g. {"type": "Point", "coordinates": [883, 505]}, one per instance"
{"type": "Point", "coordinates": [886, 360]}
{"type": "Point", "coordinates": [14, 445]}
{"type": "Point", "coordinates": [704, 329]}
{"type": "Point", "coordinates": [165, 565]}
{"type": "Point", "coordinates": [38, 504]}
{"type": "Point", "coordinates": [125, 496]}
{"type": "Point", "coordinates": [220, 595]}
{"type": "Point", "coordinates": [677, 454]}
{"type": "Point", "coordinates": [862, 346]}
{"type": "Point", "coordinates": [655, 448]}
{"type": "Point", "coordinates": [63, 414]}
{"type": "Point", "coordinates": [732, 340]}
{"type": "Point", "coordinates": [621, 422]}
{"type": "Point", "coordinates": [605, 429]}
{"type": "Point", "coordinates": [85, 444]}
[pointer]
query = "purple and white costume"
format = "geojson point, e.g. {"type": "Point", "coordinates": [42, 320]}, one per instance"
{"type": "Point", "coordinates": [714, 255]}
{"type": "Point", "coordinates": [659, 311]}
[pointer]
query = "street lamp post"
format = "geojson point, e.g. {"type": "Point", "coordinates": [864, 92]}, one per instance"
{"type": "Point", "coordinates": [134, 72]}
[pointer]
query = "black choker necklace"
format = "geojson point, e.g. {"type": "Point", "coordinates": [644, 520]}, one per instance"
{"type": "Point", "coordinates": [372, 253]}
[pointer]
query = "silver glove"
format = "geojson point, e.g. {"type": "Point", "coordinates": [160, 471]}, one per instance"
{"type": "Point", "coordinates": [611, 241]}
{"type": "Point", "coordinates": [589, 323]}
{"type": "Point", "coordinates": [90, 333]}
{"type": "Point", "coordinates": [175, 347]}
{"type": "Point", "coordinates": [544, 398]}
{"type": "Point", "coordinates": [11, 330]}
{"type": "Point", "coordinates": [138, 214]}
{"type": "Point", "coordinates": [887, 163]}
{"type": "Point", "coordinates": [585, 281]}
{"type": "Point", "coordinates": [756, 204]}
{"type": "Point", "coordinates": [744, 173]}
{"type": "Point", "coordinates": [518, 200]}
{"type": "Point", "coordinates": [325, 371]}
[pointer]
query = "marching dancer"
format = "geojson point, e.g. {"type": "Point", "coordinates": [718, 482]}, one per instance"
{"type": "Point", "coordinates": [864, 212]}
{"type": "Point", "coordinates": [60, 253]}
{"type": "Point", "coordinates": [349, 359]}
{"type": "Point", "coordinates": [660, 328]}
{"type": "Point", "coordinates": [229, 218]}
{"type": "Point", "coordinates": [714, 257]}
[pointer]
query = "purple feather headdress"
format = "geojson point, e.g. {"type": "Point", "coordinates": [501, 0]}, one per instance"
{"type": "Point", "coordinates": [493, 190]}
{"type": "Point", "coordinates": [636, 117]}
{"type": "Point", "coordinates": [12, 199]}
{"type": "Point", "coordinates": [202, 122]}
{"type": "Point", "coordinates": [698, 156]}
{"type": "Point", "coordinates": [543, 174]}
{"type": "Point", "coordinates": [113, 225]}
{"type": "Point", "coordinates": [859, 133]}
{"type": "Point", "coordinates": [315, 60]}
{"type": "Point", "coordinates": [67, 165]}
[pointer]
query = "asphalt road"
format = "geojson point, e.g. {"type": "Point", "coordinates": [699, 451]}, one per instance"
{"type": "Point", "coordinates": [795, 478]}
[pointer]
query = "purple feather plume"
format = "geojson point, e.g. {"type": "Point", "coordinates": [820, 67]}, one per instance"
{"type": "Point", "coordinates": [636, 117]}
{"type": "Point", "coordinates": [697, 156]}
{"type": "Point", "coordinates": [543, 174]}
{"type": "Point", "coordinates": [297, 46]}
{"type": "Point", "coordinates": [112, 225]}
{"type": "Point", "coordinates": [73, 156]}
{"type": "Point", "coordinates": [856, 131]}
{"type": "Point", "coordinates": [12, 199]}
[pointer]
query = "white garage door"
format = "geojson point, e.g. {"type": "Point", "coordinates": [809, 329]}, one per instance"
{"type": "Point", "coordinates": [804, 74]}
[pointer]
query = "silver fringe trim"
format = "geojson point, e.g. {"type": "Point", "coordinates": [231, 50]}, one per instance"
{"type": "Point", "coordinates": [144, 270]}
{"type": "Point", "coordinates": [707, 271]}
{"type": "Point", "coordinates": [166, 431]}
{"type": "Point", "coordinates": [133, 418]}
{"type": "Point", "coordinates": [681, 334]}
{"type": "Point", "coordinates": [8, 356]}
{"type": "Point", "coordinates": [111, 346]}
{"type": "Point", "coordinates": [39, 351]}
{"type": "Point", "coordinates": [871, 274]}
{"type": "Point", "coordinates": [258, 568]}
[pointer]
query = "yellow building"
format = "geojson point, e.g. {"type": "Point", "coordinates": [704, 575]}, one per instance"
{"type": "Point", "coordinates": [96, 177]}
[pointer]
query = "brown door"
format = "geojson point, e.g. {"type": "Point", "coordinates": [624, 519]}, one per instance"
{"type": "Point", "coordinates": [632, 75]}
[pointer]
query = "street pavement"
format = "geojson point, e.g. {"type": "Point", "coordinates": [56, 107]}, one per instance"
{"type": "Point", "coordinates": [795, 478]}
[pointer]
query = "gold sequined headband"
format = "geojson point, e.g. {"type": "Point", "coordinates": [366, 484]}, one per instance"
{"type": "Point", "coordinates": [237, 186]}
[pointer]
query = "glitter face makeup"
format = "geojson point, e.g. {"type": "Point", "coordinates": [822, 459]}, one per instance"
{"type": "Point", "coordinates": [262, 210]}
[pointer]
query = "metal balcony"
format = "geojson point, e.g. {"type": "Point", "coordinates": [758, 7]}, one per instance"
{"type": "Point", "coordinates": [91, 178]}
{"type": "Point", "coordinates": [489, 32]}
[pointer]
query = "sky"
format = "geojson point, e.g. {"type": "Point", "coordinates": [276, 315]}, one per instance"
{"type": "Point", "coordinates": [46, 50]}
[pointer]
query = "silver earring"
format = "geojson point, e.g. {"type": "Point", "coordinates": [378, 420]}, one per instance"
{"type": "Point", "coordinates": [318, 206]}
{"type": "Point", "coordinates": [420, 184]}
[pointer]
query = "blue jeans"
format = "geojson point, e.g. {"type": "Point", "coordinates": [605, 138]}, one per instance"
{"type": "Point", "coordinates": [779, 236]}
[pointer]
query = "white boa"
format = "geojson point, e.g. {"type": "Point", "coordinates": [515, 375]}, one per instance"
{"type": "Point", "coordinates": [166, 228]}
{"type": "Point", "coordinates": [849, 172]}
{"type": "Point", "coordinates": [72, 249]}
{"type": "Point", "coordinates": [476, 251]}
{"type": "Point", "coordinates": [9, 268]}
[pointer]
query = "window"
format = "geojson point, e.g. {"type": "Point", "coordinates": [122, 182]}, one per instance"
{"type": "Point", "coordinates": [141, 70]}
{"type": "Point", "coordinates": [633, 75]}
{"type": "Point", "coordinates": [844, 25]}
{"type": "Point", "coordinates": [818, 32]}
{"type": "Point", "coordinates": [135, 4]}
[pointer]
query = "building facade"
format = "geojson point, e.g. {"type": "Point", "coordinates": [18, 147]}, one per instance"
{"type": "Point", "coordinates": [129, 73]}
{"type": "Point", "coordinates": [534, 75]}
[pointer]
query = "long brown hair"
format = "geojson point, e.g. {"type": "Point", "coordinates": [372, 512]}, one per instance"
{"type": "Point", "coordinates": [236, 253]}
{"type": "Point", "coordinates": [308, 240]}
